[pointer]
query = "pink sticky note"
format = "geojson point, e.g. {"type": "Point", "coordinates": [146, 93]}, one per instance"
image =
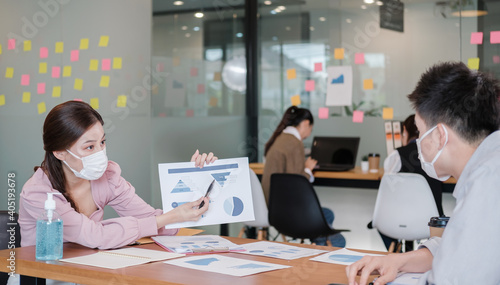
{"type": "Point", "coordinates": [495, 37]}
{"type": "Point", "coordinates": [496, 59]}
{"type": "Point", "coordinates": [194, 71]}
{"type": "Point", "coordinates": [40, 88]}
{"type": "Point", "coordinates": [56, 71]}
{"type": "Point", "coordinates": [476, 38]}
{"type": "Point", "coordinates": [44, 52]}
{"type": "Point", "coordinates": [106, 64]}
{"type": "Point", "coordinates": [160, 67]}
{"type": "Point", "coordinates": [201, 88]}
{"type": "Point", "coordinates": [25, 79]}
{"type": "Point", "coordinates": [189, 113]}
{"type": "Point", "coordinates": [323, 113]}
{"type": "Point", "coordinates": [359, 58]}
{"type": "Point", "coordinates": [11, 44]}
{"type": "Point", "coordinates": [163, 115]}
{"type": "Point", "coordinates": [310, 85]}
{"type": "Point", "coordinates": [75, 55]}
{"type": "Point", "coordinates": [77, 99]}
{"type": "Point", "coordinates": [357, 116]}
{"type": "Point", "coordinates": [318, 66]}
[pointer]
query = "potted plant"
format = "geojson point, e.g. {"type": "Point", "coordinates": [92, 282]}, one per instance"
{"type": "Point", "coordinates": [364, 163]}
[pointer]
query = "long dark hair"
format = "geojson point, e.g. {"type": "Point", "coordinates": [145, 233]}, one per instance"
{"type": "Point", "coordinates": [293, 117]}
{"type": "Point", "coordinates": [64, 125]}
{"type": "Point", "coordinates": [411, 128]}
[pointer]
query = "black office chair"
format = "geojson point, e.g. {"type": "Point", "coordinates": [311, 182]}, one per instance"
{"type": "Point", "coordinates": [294, 208]}
{"type": "Point", "coordinates": [5, 236]}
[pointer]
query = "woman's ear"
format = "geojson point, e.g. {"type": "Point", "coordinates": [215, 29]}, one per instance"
{"type": "Point", "coordinates": [60, 154]}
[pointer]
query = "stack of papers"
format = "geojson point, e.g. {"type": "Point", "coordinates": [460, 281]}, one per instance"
{"type": "Point", "coordinates": [276, 250]}
{"type": "Point", "coordinates": [196, 244]}
{"type": "Point", "coordinates": [342, 256]}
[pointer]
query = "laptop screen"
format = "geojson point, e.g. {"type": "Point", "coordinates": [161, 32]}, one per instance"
{"type": "Point", "coordinates": [335, 152]}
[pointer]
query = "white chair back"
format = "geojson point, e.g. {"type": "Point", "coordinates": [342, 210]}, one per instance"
{"type": "Point", "coordinates": [404, 206]}
{"type": "Point", "coordinates": [259, 203]}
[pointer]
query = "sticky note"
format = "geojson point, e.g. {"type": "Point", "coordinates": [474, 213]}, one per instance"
{"type": "Point", "coordinates": [56, 71]}
{"type": "Point", "coordinates": [117, 63]}
{"type": "Point", "coordinates": [9, 72]}
{"type": "Point", "coordinates": [193, 71]}
{"type": "Point", "coordinates": [104, 81]}
{"type": "Point", "coordinates": [318, 66]}
{"type": "Point", "coordinates": [310, 85]}
{"type": "Point", "coordinates": [495, 37]}
{"type": "Point", "coordinates": [189, 113]}
{"type": "Point", "coordinates": [154, 89]}
{"type": "Point", "coordinates": [26, 97]}
{"type": "Point", "coordinates": [357, 116]}
{"type": "Point", "coordinates": [295, 100]}
{"type": "Point", "coordinates": [160, 67]}
{"type": "Point", "coordinates": [103, 41]}
{"type": "Point", "coordinates": [323, 112]}
{"type": "Point", "coordinates": [77, 99]}
{"type": "Point", "coordinates": [338, 53]}
{"type": "Point", "coordinates": [42, 67]}
{"type": "Point", "coordinates": [59, 47]}
{"type": "Point", "coordinates": [473, 63]}
{"type": "Point", "coordinates": [217, 76]}
{"type": "Point", "coordinates": [94, 65]}
{"type": "Point", "coordinates": [56, 91]}
{"type": "Point", "coordinates": [201, 88]}
{"type": "Point", "coordinates": [94, 103]}
{"type": "Point", "coordinates": [106, 64]}
{"type": "Point", "coordinates": [27, 45]}
{"type": "Point", "coordinates": [78, 84]}
{"type": "Point", "coordinates": [2, 100]}
{"type": "Point", "coordinates": [41, 108]}
{"type": "Point", "coordinates": [67, 71]}
{"type": "Point", "coordinates": [84, 43]}
{"type": "Point", "coordinates": [121, 101]}
{"type": "Point", "coordinates": [387, 113]}
{"type": "Point", "coordinates": [213, 101]}
{"type": "Point", "coordinates": [75, 55]}
{"type": "Point", "coordinates": [368, 84]}
{"type": "Point", "coordinates": [476, 38]}
{"type": "Point", "coordinates": [496, 59]}
{"type": "Point", "coordinates": [291, 73]}
{"type": "Point", "coordinates": [176, 61]}
{"type": "Point", "coordinates": [44, 52]}
{"type": "Point", "coordinates": [11, 44]}
{"type": "Point", "coordinates": [0, 49]}
{"type": "Point", "coordinates": [359, 58]}
{"type": "Point", "coordinates": [40, 88]}
{"type": "Point", "coordinates": [25, 79]}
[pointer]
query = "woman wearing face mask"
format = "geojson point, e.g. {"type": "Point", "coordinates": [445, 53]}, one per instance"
{"type": "Point", "coordinates": [76, 166]}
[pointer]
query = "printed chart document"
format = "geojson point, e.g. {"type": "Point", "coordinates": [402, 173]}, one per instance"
{"type": "Point", "coordinates": [230, 196]}
{"type": "Point", "coordinates": [225, 265]}
{"type": "Point", "coordinates": [119, 258]}
{"type": "Point", "coordinates": [342, 256]}
{"type": "Point", "coordinates": [282, 251]}
{"type": "Point", "coordinates": [193, 244]}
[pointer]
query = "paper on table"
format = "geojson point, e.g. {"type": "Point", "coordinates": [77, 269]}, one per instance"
{"type": "Point", "coordinates": [189, 244]}
{"type": "Point", "coordinates": [342, 256]}
{"type": "Point", "coordinates": [282, 251]}
{"type": "Point", "coordinates": [406, 279]}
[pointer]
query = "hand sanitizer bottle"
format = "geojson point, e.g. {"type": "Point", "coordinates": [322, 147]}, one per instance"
{"type": "Point", "coordinates": [49, 232]}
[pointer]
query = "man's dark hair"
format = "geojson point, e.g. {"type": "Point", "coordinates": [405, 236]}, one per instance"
{"type": "Point", "coordinates": [464, 99]}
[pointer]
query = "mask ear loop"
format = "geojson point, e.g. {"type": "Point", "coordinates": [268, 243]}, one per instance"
{"type": "Point", "coordinates": [445, 142]}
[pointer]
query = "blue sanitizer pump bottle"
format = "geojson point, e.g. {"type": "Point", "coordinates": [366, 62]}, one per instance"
{"type": "Point", "coordinates": [49, 232]}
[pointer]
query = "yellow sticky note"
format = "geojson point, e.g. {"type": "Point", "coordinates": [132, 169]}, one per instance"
{"type": "Point", "coordinates": [103, 41]}
{"type": "Point", "coordinates": [94, 103]}
{"type": "Point", "coordinates": [78, 84]}
{"type": "Point", "coordinates": [9, 72]}
{"type": "Point", "coordinates": [217, 76]}
{"type": "Point", "coordinates": [27, 45]}
{"type": "Point", "coordinates": [84, 43]}
{"type": "Point", "coordinates": [2, 100]}
{"type": "Point", "coordinates": [295, 100]}
{"type": "Point", "coordinates": [26, 97]}
{"type": "Point", "coordinates": [42, 67]}
{"type": "Point", "coordinates": [94, 65]}
{"type": "Point", "coordinates": [42, 108]}
{"type": "Point", "coordinates": [368, 84]}
{"type": "Point", "coordinates": [59, 47]}
{"type": "Point", "coordinates": [122, 101]}
{"type": "Point", "coordinates": [387, 113]}
{"type": "Point", "coordinates": [0, 49]}
{"type": "Point", "coordinates": [338, 53]}
{"type": "Point", "coordinates": [104, 81]}
{"type": "Point", "coordinates": [117, 63]}
{"type": "Point", "coordinates": [473, 63]}
{"type": "Point", "coordinates": [56, 91]}
{"type": "Point", "coordinates": [67, 71]}
{"type": "Point", "coordinates": [291, 73]}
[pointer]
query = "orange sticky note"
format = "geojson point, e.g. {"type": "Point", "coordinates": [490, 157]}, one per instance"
{"type": "Point", "coordinates": [213, 101]}
{"type": "Point", "coordinates": [473, 63]}
{"type": "Point", "coordinates": [27, 45]}
{"type": "Point", "coordinates": [217, 76]}
{"type": "Point", "coordinates": [154, 89]}
{"type": "Point", "coordinates": [176, 61]}
{"type": "Point", "coordinates": [67, 71]}
{"type": "Point", "coordinates": [42, 67]}
{"type": "Point", "coordinates": [338, 53]}
{"type": "Point", "coordinates": [323, 113]}
{"type": "Point", "coordinates": [84, 44]}
{"type": "Point", "coordinates": [41, 108]}
{"type": "Point", "coordinates": [78, 84]}
{"type": "Point", "coordinates": [94, 103]}
{"type": "Point", "coordinates": [357, 116]}
{"type": "Point", "coordinates": [291, 73]}
{"type": "Point", "coordinates": [9, 72]}
{"type": "Point", "coordinates": [121, 101]}
{"type": "Point", "coordinates": [104, 81]}
{"type": "Point", "coordinates": [94, 65]}
{"type": "Point", "coordinates": [310, 85]}
{"type": "Point", "coordinates": [117, 63]}
{"type": "Point", "coordinates": [2, 100]}
{"type": "Point", "coordinates": [59, 47]}
{"type": "Point", "coordinates": [368, 84]}
{"type": "Point", "coordinates": [26, 97]}
{"type": "Point", "coordinates": [387, 113]}
{"type": "Point", "coordinates": [103, 41]}
{"type": "Point", "coordinates": [295, 100]}
{"type": "Point", "coordinates": [56, 91]}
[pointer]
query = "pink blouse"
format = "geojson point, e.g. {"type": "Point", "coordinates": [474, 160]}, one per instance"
{"type": "Point", "coordinates": [137, 218]}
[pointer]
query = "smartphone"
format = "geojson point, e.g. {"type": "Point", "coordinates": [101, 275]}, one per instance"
{"type": "Point", "coordinates": [208, 193]}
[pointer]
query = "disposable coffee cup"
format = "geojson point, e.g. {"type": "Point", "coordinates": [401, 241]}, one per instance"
{"type": "Point", "coordinates": [437, 225]}
{"type": "Point", "coordinates": [373, 161]}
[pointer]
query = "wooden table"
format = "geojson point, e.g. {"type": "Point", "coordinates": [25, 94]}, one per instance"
{"type": "Point", "coordinates": [303, 270]}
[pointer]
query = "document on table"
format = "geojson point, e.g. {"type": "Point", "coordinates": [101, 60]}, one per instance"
{"type": "Point", "coordinates": [191, 244]}
{"type": "Point", "coordinates": [342, 256]}
{"type": "Point", "coordinates": [406, 279]}
{"type": "Point", "coordinates": [230, 197]}
{"type": "Point", "coordinates": [225, 265]}
{"type": "Point", "coordinates": [276, 250]}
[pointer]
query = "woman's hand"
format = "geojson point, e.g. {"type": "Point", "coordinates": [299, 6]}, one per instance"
{"type": "Point", "coordinates": [311, 163]}
{"type": "Point", "coordinates": [187, 212]}
{"type": "Point", "coordinates": [201, 159]}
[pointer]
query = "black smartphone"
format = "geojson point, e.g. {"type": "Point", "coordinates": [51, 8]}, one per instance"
{"type": "Point", "coordinates": [208, 193]}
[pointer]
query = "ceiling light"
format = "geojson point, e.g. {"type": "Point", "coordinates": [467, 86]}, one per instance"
{"type": "Point", "coordinates": [188, 35]}
{"type": "Point", "coordinates": [196, 29]}
{"type": "Point", "coordinates": [380, 3]}
{"type": "Point", "coordinates": [369, 1]}
{"type": "Point", "coordinates": [273, 12]}
{"type": "Point", "coordinates": [363, 7]}
{"type": "Point", "coordinates": [282, 8]}
{"type": "Point", "coordinates": [348, 21]}
{"type": "Point", "coordinates": [288, 28]}
{"type": "Point", "coordinates": [267, 2]}
{"type": "Point", "coordinates": [184, 28]}
{"type": "Point", "coordinates": [199, 15]}
{"type": "Point", "coordinates": [322, 19]}
{"type": "Point", "coordinates": [311, 28]}
{"type": "Point", "coordinates": [239, 35]}
{"type": "Point", "coordinates": [470, 10]}
{"type": "Point", "coordinates": [178, 3]}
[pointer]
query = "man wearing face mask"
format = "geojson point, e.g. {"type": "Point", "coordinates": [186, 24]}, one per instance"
{"type": "Point", "coordinates": [458, 116]}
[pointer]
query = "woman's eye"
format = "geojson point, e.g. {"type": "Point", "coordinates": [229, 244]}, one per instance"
{"type": "Point", "coordinates": [90, 147]}
{"type": "Point", "coordinates": [103, 142]}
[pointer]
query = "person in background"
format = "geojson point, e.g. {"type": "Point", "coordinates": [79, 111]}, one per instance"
{"type": "Point", "coordinates": [284, 153]}
{"type": "Point", "coordinates": [76, 165]}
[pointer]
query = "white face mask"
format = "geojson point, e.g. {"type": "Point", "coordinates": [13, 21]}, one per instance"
{"type": "Point", "coordinates": [94, 165]}
{"type": "Point", "coordinates": [428, 167]}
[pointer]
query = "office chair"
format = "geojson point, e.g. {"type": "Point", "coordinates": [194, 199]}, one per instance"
{"type": "Point", "coordinates": [5, 236]}
{"type": "Point", "coordinates": [404, 206]}
{"type": "Point", "coordinates": [294, 209]}
{"type": "Point", "coordinates": [261, 221]}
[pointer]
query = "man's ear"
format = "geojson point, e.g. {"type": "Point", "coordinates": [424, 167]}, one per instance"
{"type": "Point", "coordinates": [443, 135]}
{"type": "Point", "coordinates": [60, 154]}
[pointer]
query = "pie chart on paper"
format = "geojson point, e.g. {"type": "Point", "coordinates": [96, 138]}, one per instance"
{"type": "Point", "coordinates": [233, 206]}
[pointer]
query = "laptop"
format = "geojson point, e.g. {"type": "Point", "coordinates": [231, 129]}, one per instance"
{"type": "Point", "coordinates": [335, 153]}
